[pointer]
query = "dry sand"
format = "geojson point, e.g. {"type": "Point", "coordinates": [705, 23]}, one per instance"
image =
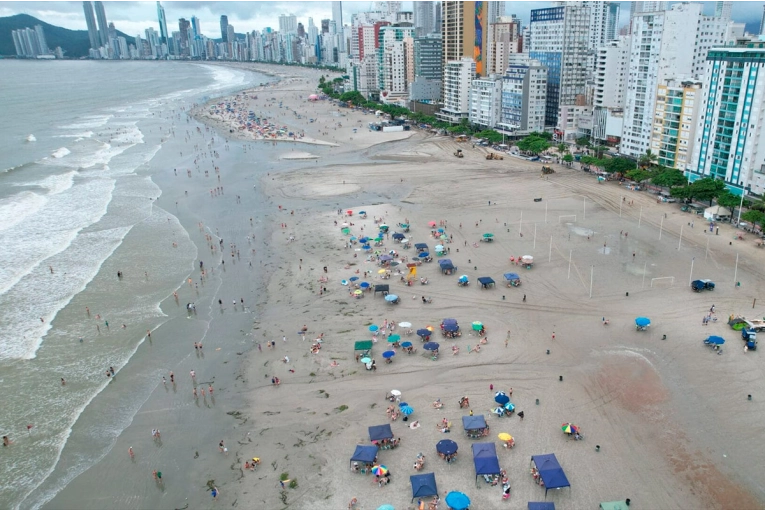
{"type": "Point", "coordinates": [672, 419]}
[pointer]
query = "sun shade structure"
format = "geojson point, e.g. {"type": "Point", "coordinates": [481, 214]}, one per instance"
{"type": "Point", "coordinates": [365, 453]}
{"type": "Point", "coordinates": [477, 422]}
{"type": "Point", "coordinates": [382, 288]}
{"type": "Point", "coordinates": [485, 459]}
{"type": "Point", "coordinates": [380, 432]}
{"type": "Point", "coordinates": [423, 485]}
{"type": "Point", "coordinates": [363, 345]}
{"type": "Point", "coordinates": [541, 505]}
{"type": "Point", "coordinates": [550, 471]}
{"type": "Point", "coordinates": [486, 281]}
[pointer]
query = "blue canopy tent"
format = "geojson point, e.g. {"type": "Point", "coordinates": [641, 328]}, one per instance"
{"type": "Point", "coordinates": [446, 265]}
{"type": "Point", "coordinates": [474, 422]}
{"type": "Point", "coordinates": [423, 485]}
{"type": "Point", "coordinates": [380, 432]}
{"type": "Point", "coordinates": [398, 235]}
{"type": "Point", "coordinates": [541, 505]}
{"type": "Point", "coordinates": [550, 471]}
{"type": "Point", "coordinates": [365, 453]}
{"type": "Point", "coordinates": [485, 282]}
{"type": "Point", "coordinates": [485, 459]}
{"type": "Point", "coordinates": [421, 247]}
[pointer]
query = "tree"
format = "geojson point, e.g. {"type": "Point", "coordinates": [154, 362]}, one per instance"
{"type": "Point", "coordinates": [648, 159]}
{"type": "Point", "coordinates": [707, 189]}
{"type": "Point", "coordinates": [568, 159]}
{"type": "Point", "coordinates": [582, 142]}
{"type": "Point", "coordinates": [683, 192]}
{"type": "Point", "coordinates": [729, 200]}
{"type": "Point", "coordinates": [353, 96]}
{"type": "Point", "coordinates": [562, 148]}
{"type": "Point", "coordinates": [534, 143]}
{"type": "Point", "coordinates": [621, 165]}
{"type": "Point", "coordinates": [638, 175]}
{"type": "Point", "coordinates": [753, 216]}
{"type": "Point", "coordinates": [669, 177]}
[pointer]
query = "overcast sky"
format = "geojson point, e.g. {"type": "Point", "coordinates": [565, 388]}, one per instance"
{"type": "Point", "coordinates": [134, 17]}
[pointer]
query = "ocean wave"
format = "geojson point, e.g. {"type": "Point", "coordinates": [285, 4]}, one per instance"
{"type": "Point", "coordinates": [85, 134]}
{"type": "Point", "coordinates": [31, 138]}
{"type": "Point", "coordinates": [88, 122]}
{"type": "Point", "coordinates": [60, 152]}
{"type": "Point", "coordinates": [16, 208]}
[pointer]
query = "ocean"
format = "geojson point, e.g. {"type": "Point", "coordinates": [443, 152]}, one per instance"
{"type": "Point", "coordinates": [76, 206]}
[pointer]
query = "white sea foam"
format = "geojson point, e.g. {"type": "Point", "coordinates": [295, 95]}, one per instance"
{"type": "Point", "coordinates": [16, 208]}
{"type": "Point", "coordinates": [31, 138]}
{"type": "Point", "coordinates": [84, 134]}
{"type": "Point", "coordinates": [61, 152]}
{"type": "Point", "coordinates": [88, 122]}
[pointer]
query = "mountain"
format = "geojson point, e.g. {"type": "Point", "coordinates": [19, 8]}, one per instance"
{"type": "Point", "coordinates": [75, 43]}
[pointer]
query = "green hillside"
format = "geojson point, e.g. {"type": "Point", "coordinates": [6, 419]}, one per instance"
{"type": "Point", "coordinates": [75, 43]}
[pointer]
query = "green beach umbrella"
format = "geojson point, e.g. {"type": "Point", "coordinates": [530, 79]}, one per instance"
{"type": "Point", "coordinates": [487, 236]}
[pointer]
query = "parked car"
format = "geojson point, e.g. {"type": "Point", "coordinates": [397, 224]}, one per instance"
{"type": "Point", "coordinates": [699, 285]}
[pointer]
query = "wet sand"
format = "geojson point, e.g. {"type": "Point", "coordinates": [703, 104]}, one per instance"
{"type": "Point", "coordinates": [672, 419]}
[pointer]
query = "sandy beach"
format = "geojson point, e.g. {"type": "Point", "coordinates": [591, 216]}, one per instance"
{"type": "Point", "coordinates": [672, 420]}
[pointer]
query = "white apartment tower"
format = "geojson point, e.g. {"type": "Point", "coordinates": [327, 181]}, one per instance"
{"type": "Point", "coordinates": [458, 75]}
{"type": "Point", "coordinates": [486, 101]}
{"type": "Point", "coordinates": [611, 68]}
{"type": "Point", "coordinates": [524, 93]}
{"type": "Point", "coordinates": [425, 18]}
{"type": "Point", "coordinates": [664, 45]}
{"type": "Point", "coordinates": [503, 39]}
{"type": "Point", "coordinates": [674, 123]}
{"type": "Point", "coordinates": [287, 23]}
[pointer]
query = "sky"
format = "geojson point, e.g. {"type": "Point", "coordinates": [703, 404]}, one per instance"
{"type": "Point", "coordinates": [133, 17]}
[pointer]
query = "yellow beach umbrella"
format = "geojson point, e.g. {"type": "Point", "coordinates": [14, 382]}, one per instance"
{"type": "Point", "coordinates": [504, 436]}
{"type": "Point", "coordinates": [381, 271]}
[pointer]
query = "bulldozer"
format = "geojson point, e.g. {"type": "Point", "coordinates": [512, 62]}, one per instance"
{"type": "Point", "coordinates": [495, 156]}
{"type": "Point", "coordinates": [459, 153]}
{"type": "Point", "coordinates": [547, 170]}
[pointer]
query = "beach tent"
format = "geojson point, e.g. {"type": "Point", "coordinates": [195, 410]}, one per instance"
{"type": "Point", "coordinates": [446, 265]}
{"type": "Point", "coordinates": [474, 422]}
{"type": "Point", "coordinates": [485, 282]}
{"type": "Point", "coordinates": [382, 288]}
{"type": "Point", "coordinates": [485, 459]}
{"type": "Point", "coordinates": [423, 485]}
{"type": "Point", "coordinates": [365, 453]}
{"type": "Point", "coordinates": [421, 247]}
{"type": "Point", "coordinates": [716, 212]}
{"type": "Point", "coordinates": [363, 345]}
{"type": "Point", "coordinates": [541, 505]}
{"type": "Point", "coordinates": [550, 471]}
{"type": "Point", "coordinates": [380, 432]}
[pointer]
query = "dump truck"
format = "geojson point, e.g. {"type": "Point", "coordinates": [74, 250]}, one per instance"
{"type": "Point", "coordinates": [547, 170]}
{"type": "Point", "coordinates": [458, 153]}
{"type": "Point", "coordinates": [494, 155]}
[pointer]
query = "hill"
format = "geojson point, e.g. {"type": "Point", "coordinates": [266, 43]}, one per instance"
{"type": "Point", "coordinates": [75, 43]}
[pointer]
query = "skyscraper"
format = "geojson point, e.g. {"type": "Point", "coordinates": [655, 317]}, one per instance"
{"type": "Point", "coordinates": [337, 15]}
{"type": "Point", "coordinates": [612, 23]}
{"type": "Point", "coordinates": [196, 26]}
{"type": "Point", "coordinates": [287, 23]}
{"type": "Point", "coordinates": [762, 21]}
{"type": "Point", "coordinates": [722, 9]}
{"type": "Point", "coordinates": [183, 28]}
{"type": "Point", "coordinates": [103, 27]}
{"type": "Point", "coordinates": [90, 20]}
{"type": "Point", "coordinates": [424, 18]}
{"type": "Point", "coordinates": [163, 33]}
{"type": "Point", "coordinates": [464, 31]}
{"type": "Point", "coordinates": [224, 28]}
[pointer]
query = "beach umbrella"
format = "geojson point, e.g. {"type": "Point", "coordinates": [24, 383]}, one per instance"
{"type": "Point", "coordinates": [362, 212]}
{"type": "Point", "coordinates": [509, 407]}
{"type": "Point", "coordinates": [385, 507]}
{"type": "Point", "coordinates": [366, 247]}
{"type": "Point", "coordinates": [365, 360]}
{"type": "Point", "coordinates": [353, 238]}
{"type": "Point", "coordinates": [432, 224]}
{"type": "Point", "coordinates": [463, 278]}
{"type": "Point", "coordinates": [429, 328]}
{"type": "Point", "coordinates": [406, 344]}
{"type": "Point", "coordinates": [404, 225]}
{"type": "Point", "coordinates": [715, 340]}
{"type": "Point", "coordinates": [502, 399]}
{"type": "Point", "coordinates": [402, 404]}
{"type": "Point", "coordinates": [444, 237]}
{"type": "Point", "coordinates": [379, 470]}
{"type": "Point", "coordinates": [395, 263]}
{"type": "Point", "coordinates": [406, 410]}
{"type": "Point", "coordinates": [405, 324]}
{"type": "Point", "coordinates": [343, 282]}
{"type": "Point", "coordinates": [430, 346]}
{"type": "Point", "coordinates": [395, 393]}
{"type": "Point", "coordinates": [457, 501]}
{"type": "Point", "coordinates": [382, 271]}
{"type": "Point", "coordinates": [439, 247]}
{"type": "Point", "coordinates": [353, 278]}
{"type": "Point", "coordinates": [388, 354]}
{"type": "Point", "coordinates": [643, 322]}
{"type": "Point", "coordinates": [504, 436]}
{"type": "Point", "coordinates": [364, 285]}
{"type": "Point", "coordinates": [499, 411]}
{"type": "Point", "coordinates": [424, 254]}
{"type": "Point", "coordinates": [423, 332]}
{"type": "Point", "coordinates": [477, 326]}
{"type": "Point", "coordinates": [378, 238]}
{"type": "Point", "coordinates": [569, 428]}
{"type": "Point", "coordinates": [344, 225]}
{"type": "Point", "coordinates": [349, 212]}
{"type": "Point", "coordinates": [440, 231]}
{"type": "Point", "coordinates": [373, 328]}
{"type": "Point", "coordinates": [385, 258]}
{"type": "Point", "coordinates": [398, 235]}
{"type": "Point", "coordinates": [364, 239]}
{"type": "Point", "coordinates": [358, 292]}
{"type": "Point", "coordinates": [446, 446]}
{"type": "Point", "coordinates": [404, 240]}
{"type": "Point", "coordinates": [416, 259]}
{"type": "Point", "coordinates": [394, 338]}
{"type": "Point", "coordinates": [391, 298]}
{"type": "Point", "coordinates": [488, 236]}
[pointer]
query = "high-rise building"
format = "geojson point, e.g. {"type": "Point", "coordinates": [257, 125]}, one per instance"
{"type": "Point", "coordinates": [494, 11]}
{"type": "Point", "coordinates": [183, 28]}
{"type": "Point", "coordinates": [41, 42]}
{"type": "Point", "coordinates": [762, 21]}
{"type": "Point", "coordinates": [325, 26]}
{"type": "Point", "coordinates": [730, 136]}
{"type": "Point", "coordinates": [674, 123]}
{"type": "Point", "coordinates": [424, 18]}
{"type": "Point", "coordinates": [612, 24]}
{"type": "Point", "coordinates": [103, 27]}
{"type": "Point", "coordinates": [392, 64]}
{"type": "Point", "coordinates": [90, 20]}
{"type": "Point", "coordinates": [504, 38]}
{"type": "Point", "coordinates": [641, 7]}
{"type": "Point", "coordinates": [464, 31]}
{"type": "Point", "coordinates": [30, 43]}
{"type": "Point", "coordinates": [485, 103]}
{"type": "Point", "coordinates": [664, 47]}
{"type": "Point", "coordinates": [196, 27]}
{"type": "Point", "coordinates": [458, 75]}
{"type": "Point", "coordinates": [524, 95]}
{"type": "Point", "coordinates": [428, 68]}
{"type": "Point", "coordinates": [224, 28]}
{"type": "Point", "coordinates": [112, 31]}
{"type": "Point", "coordinates": [560, 38]}
{"type": "Point", "coordinates": [337, 14]}
{"type": "Point", "coordinates": [163, 33]}
{"type": "Point", "coordinates": [288, 24]}
{"type": "Point", "coordinates": [723, 9]}
{"type": "Point", "coordinates": [230, 35]}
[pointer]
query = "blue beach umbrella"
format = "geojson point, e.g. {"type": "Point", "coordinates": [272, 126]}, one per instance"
{"type": "Point", "coordinates": [388, 354]}
{"type": "Point", "coordinates": [362, 212]}
{"type": "Point", "coordinates": [353, 278]}
{"type": "Point", "coordinates": [374, 327]}
{"type": "Point", "coordinates": [440, 231]}
{"type": "Point", "coordinates": [406, 410]}
{"type": "Point", "coordinates": [391, 298]}
{"type": "Point", "coordinates": [364, 285]}
{"type": "Point", "coordinates": [430, 346]}
{"type": "Point", "coordinates": [501, 399]}
{"type": "Point", "coordinates": [457, 501]}
{"type": "Point", "coordinates": [353, 238]}
{"type": "Point", "coordinates": [364, 239]}
{"type": "Point", "coordinates": [509, 407]}
{"type": "Point", "coordinates": [385, 507]}
{"type": "Point", "coordinates": [446, 446]}
{"type": "Point", "coordinates": [424, 254]}
{"type": "Point", "coordinates": [343, 282]}
{"type": "Point", "coordinates": [643, 321]}
{"type": "Point", "coordinates": [402, 404]}
{"type": "Point", "coordinates": [406, 344]}
{"type": "Point", "coordinates": [423, 333]}
{"type": "Point", "coordinates": [716, 340]}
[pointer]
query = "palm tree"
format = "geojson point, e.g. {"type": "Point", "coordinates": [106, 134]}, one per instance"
{"type": "Point", "coordinates": [648, 159]}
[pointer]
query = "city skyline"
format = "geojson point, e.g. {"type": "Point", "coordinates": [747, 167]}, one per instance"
{"type": "Point", "coordinates": [134, 17]}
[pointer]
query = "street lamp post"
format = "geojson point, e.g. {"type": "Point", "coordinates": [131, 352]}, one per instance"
{"type": "Point", "coordinates": [744, 191]}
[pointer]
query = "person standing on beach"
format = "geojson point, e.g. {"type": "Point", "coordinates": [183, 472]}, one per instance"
{"type": "Point", "coordinates": [130, 452]}
{"type": "Point", "coordinates": [193, 375]}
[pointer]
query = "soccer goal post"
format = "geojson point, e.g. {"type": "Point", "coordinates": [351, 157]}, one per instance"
{"type": "Point", "coordinates": [662, 281]}
{"type": "Point", "coordinates": [570, 217]}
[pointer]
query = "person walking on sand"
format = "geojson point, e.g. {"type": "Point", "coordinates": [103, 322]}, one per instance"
{"type": "Point", "coordinates": [194, 374]}
{"type": "Point", "coordinates": [130, 452]}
